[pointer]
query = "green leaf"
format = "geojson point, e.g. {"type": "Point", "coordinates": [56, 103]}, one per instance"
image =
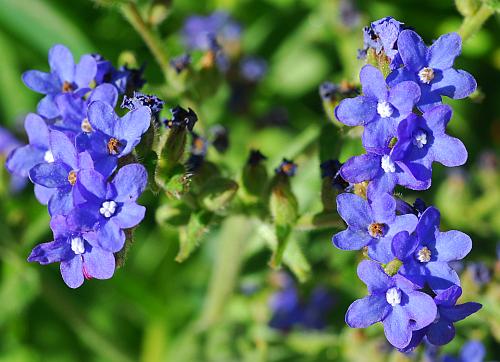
{"type": "Point", "coordinates": [190, 235]}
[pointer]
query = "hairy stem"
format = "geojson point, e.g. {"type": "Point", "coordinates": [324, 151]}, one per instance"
{"type": "Point", "coordinates": [152, 40]}
{"type": "Point", "coordinates": [473, 23]}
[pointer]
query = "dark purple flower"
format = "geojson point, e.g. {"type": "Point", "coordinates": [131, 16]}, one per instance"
{"type": "Point", "coordinates": [104, 68]}
{"type": "Point", "coordinates": [349, 14]}
{"type": "Point", "coordinates": [394, 301]}
{"type": "Point", "coordinates": [286, 308]}
{"type": "Point", "coordinates": [331, 169]}
{"type": "Point", "coordinates": [220, 138]}
{"type": "Point", "coordinates": [62, 173]}
{"type": "Point", "coordinates": [472, 351]}
{"type": "Point", "coordinates": [315, 314]}
{"type": "Point", "coordinates": [385, 170]}
{"type": "Point", "coordinates": [481, 274]}
{"type": "Point", "coordinates": [253, 69]}
{"type": "Point", "coordinates": [65, 77]}
{"type": "Point", "coordinates": [139, 100]}
{"type": "Point", "coordinates": [181, 118]}
{"type": "Point", "coordinates": [382, 35]}
{"type": "Point", "coordinates": [425, 256]}
{"type": "Point", "coordinates": [111, 207]}
{"type": "Point", "coordinates": [112, 137]}
{"type": "Point", "coordinates": [422, 140]}
{"type": "Point", "coordinates": [74, 117]}
{"type": "Point", "coordinates": [286, 167]}
{"type": "Point", "coordinates": [379, 109]}
{"type": "Point", "coordinates": [442, 330]}
{"type": "Point", "coordinates": [255, 157]}
{"type": "Point", "coordinates": [199, 148]}
{"type": "Point", "coordinates": [432, 68]}
{"type": "Point", "coordinates": [373, 225]}
{"type": "Point", "coordinates": [80, 258]}
{"type": "Point", "coordinates": [180, 62]}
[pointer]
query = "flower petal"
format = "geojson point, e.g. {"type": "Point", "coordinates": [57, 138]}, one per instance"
{"type": "Point", "coordinates": [441, 276]}
{"type": "Point", "coordinates": [456, 84]}
{"type": "Point", "coordinates": [40, 82]}
{"type": "Point", "coordinates": [351, 239]}
{"type": "Point", "coordinates": [473, 351]}
{"type": "Point", "coordinates": [354, 210]}
{"type": "Point", "coordinates": [403, 245]}
{"type": "Point", "coordinates": [61, 203]}
{"type": "Point", "coordinates": [130, 182]}
{"type": "Point", "coordinates": [428, 224]}
{"type": "Point", "coordinates": [367, 311]}
{"type": "Point", "coordinates": [110, 237]}
{"type": "Point", "coordinates": [372, 274]}
{"type": "Point", "coordinates": [361, 168]}
{"type": "Point", "coordinates": [37, 130]}
{"type": "Point", "coordinates": [459, 312]}
{"type": "Point", "coordinates": [421, 309]}
{"type": "Point", "coordinates": [92, 184]}
{"type": "Point", "coordinates": [85, 71]}
{"type": "Point", "coordinates": [99, 264]}
{"type": "Point", "coordinates": [130, 215]}
{"type": "Point", "coordinates": [356, 111]}
{"type": "Point", "coordinates": [61, 62]}
{"type": "Point", "coordinates": [404, 96]}
{"type": "Point", "coordinates": [47, 107]}
{"type": "Point", "coordinates": [51, 252]}
{"type": "Point", "coordinates": [106, 93]}
{"type": "Point", "coordinates": [50, 175]}
{"type": "Point", "coordinates": [383, 208]}
{"type": "Point", "coordinates": [43, 194]}
{"type": "Point", "coordinates": [449, 151]}
{"type": "Point", "coordinates": [412, 49]}
{"type": "Point", "coordinates": [441, 332]}
{"type": "Point", "coordinates": [63, 149]}
{"type": "Point", "coordinates": [444, 50]}
{"type": "Point", "coordinates": [378, 133]}
{"type": "Point", "coordinates": [72, 272]}
{"type": "Point", "coordinates": [132, 126]}
{"type": "Point", "coordinates": [452, 245]}
{"type": "Point", "coordinates": [102, 117]}
{"type": "Point", "coordinates": [397, 327]}
{"type": "Point", "coordinates": [373, 83]}
{"type": "Point", "coordinates": [22, 159]}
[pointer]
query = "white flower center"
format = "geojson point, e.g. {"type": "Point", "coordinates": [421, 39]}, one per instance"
{"type": "Point", "coordinates": [384, 109]}
{"type": "Point", "coordinates": [108, 208]}
{"type": "Point", "coordinates": [86, 127]}
{"type": "Point", "coordinates": [48, 157]}
{"type": "Point", "coordinates": [420, 139]}
{"type": "Point", "coordinates": [77, 245]}
{"type": "Point", "coordinates": [426, 75]}
{"type": "Point", "coordinates": [424, 255]}
{"type": "Point", "coordinates": [393, 296]}
{"type": "Point", "coordinates": [387, 164]}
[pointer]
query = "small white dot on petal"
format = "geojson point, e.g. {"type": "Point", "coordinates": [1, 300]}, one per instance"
{"type": "Point", "coordinates": [393, 296]}
{"type": "Point", "coordinates": [387, 165]}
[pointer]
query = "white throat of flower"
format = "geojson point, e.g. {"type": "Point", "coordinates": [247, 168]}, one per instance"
{"type": "Point", "coordinates": [424, 255]}
{"type": "Point", "coordinates": [393, 296]}
{"type": "Point", "coordinates": [420, 139]}
{"type": "Point", "coordinates": [48, 157]}
{"type": "Point", "coordinates": [77, 245]}
{"type": "Point", "coordinates": [108, 208]}
{"type": "Point", "coordinates": [384, 109]}
{"type": "Point", "coordinates": [426, 75]}
{"type": "Point", "coordinates": [387, 164]}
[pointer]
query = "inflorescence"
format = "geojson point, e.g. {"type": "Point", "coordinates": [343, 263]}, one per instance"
{"type": "Point", "coordinates": [412, 289]}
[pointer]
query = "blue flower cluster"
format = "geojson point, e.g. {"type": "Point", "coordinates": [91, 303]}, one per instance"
{"type": "Point", "coordinates": [79, 157]}
{"type": "Point", "coordinates": [412, 289]}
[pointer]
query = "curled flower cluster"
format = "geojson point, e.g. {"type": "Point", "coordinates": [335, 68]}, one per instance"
{"type": "Point", "coordinates": [412, 289]}
{"type": "Point", "coordinates": [80, 158]}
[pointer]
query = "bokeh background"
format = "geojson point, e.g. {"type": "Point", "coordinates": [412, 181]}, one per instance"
{"type": "Point", "coordinates": [215, 306]}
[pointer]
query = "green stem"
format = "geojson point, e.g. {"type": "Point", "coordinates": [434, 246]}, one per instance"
{"type": "Point", "coordinates": [473, 23]}
{"type": "Point", "coordinates": [319, 221]}
{"type": "Point", "coordinates": [152, 40]}
{"type": "Point", "coordinates": [232, 240]}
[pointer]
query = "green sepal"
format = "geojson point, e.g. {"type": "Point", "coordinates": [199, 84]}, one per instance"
{"type": "Point", "coordinates": [254, 180]}
{"type": "Point", "coordinates": [173, 214]}
{"type": "Point", "coordinates": [218, 193]}
{"type": "Point", "coordinates": [190, 236]}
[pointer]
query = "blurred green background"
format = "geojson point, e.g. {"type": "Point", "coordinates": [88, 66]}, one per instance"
{"type": "Point", "coordinates": [156, 309]}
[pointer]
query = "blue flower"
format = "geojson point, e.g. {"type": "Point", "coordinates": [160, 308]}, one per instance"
{"type": "Point", "coordinates": [139, 100]}
{"type": "Point", "coordinates": [432, 68]}
{"type": "Point", "coordinates": [65, 77]}
{"type": "Point", "coordinates": [472, 351]}
{"type": "Point", "coordinates": [481, 274]}
{"type": "Point", "coordinates": [426, 254]}
{"type": "Point", "coordinates": [80, 258]}
{"type": "Point", "coordinates": [253, 69]}
{"type": "Point", "coordinates": [62, 173]}
{"type": "Point", "coordinates": [286, 167]}
{"type": "Point", "coordinates": [180, 62]}
{"type": "Point", "coordinates": [112, 137]}
{"type": "Point", "coordinates": [22, 159]}
{"type": "Point", "coordinates": [442, 331]}
{"type": "Point", "coordinates": [382, 35]}
{"type": "Point", "coordinates": [181, 118]}
{"type": "Point", "coordinates": [74, 118]}
{"type": "Point", "coordinates": [373, 225]}
{"type": "Point", "coordinates": [394, 301]}
{"type": "Point", "coordinates": [422, 140]}
{"type": "Point", "coordinates": [379, 109]}
{"type": "Point", "coordinates": [109, 208]}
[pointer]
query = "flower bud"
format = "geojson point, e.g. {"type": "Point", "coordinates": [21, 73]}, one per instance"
{"type": "Point", "coordinates": [254, 177]}
{"type": "Point", "coordinates": [467, 7]}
